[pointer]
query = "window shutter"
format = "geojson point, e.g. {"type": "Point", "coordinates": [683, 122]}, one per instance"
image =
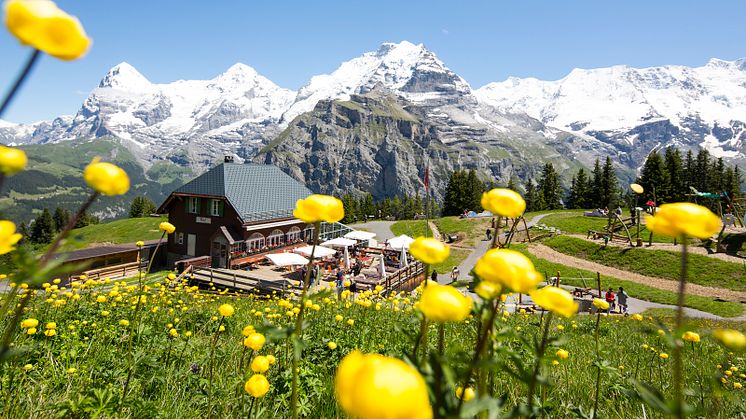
{"type": "Point", "coordinates": [220, 208]}
{"type": "Point", "coordinates": [199, 201]}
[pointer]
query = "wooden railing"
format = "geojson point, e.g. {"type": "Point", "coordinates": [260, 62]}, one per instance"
{"type": "Point", "coordinates": [241, 280]}
{"type": "Point", "coordinates": [115, 271]}
{"type": "Point", "coordinates": [405, 279]}
{"type": "Point", "coordinates": [197, 262]}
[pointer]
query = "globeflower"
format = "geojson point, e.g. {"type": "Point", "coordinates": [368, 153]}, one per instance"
{"type": "Point", "coordinates": [318, 208]}
{"type": "Point", "coordinates": [488, 290]}
{"type": "Point", "coordinates": [467, 394]}
{"type": "Point", "coordinates": [374, 386]}
{"type": "Point", "coordinates": [731, 339]}
{"type": "Point", "coordinates": [508, 268]}
{"type": "Point", "coordinates": [555, 300]}
{"type": "Point", "coordinates": [226, 310]}
{"type": "Point", "coordinates": [504, 202]}
{"type": "Point", "coordinates": [429, 250]}
{"type": "Point", "coordinates": [637, 317]}
{"type": "Point", "coordinates": [12, 160]}
{"type": "Point", "coordinates": [443, 303]}
{"type": "Point", "coordinates": [260, 364]}
{"type": "Point", "coordinates": [29, 323]}
{"type": "Point", "coordinates": [8, 237]}
{"type": "Point", "coordinates": [167, 227]}
{"type": "Point", "coordinates": [257, 385]}
{"type": "Point", "coordinates": [663, 355]}
{"type": "Point", "coordinates": [681, 218]}
{"type": "Point", "coordinates": [637, 188]}
{"type": "Point", "coordinates": [42, 25]}
{"type": "Point", "coordinates": [562, 354]}
{"type": "Point", "coordinates": [690, 337]}
{"type": "Point", "coordinates": [106, 178]}
{"type": "Point", "coordinates": [332, 345]}
{"type": "Point", "coordinates": [254, 341]}
{"type": "Point", "coordinates": [124, 322]}
{"type": "Point", "coordinates": [600, 304]}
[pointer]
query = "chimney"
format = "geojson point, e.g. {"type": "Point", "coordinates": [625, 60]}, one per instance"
{"type": "Point", "coordinates": [228, 159]}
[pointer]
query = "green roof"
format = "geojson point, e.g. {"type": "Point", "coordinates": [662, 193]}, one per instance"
{"type": "Point", "coordinates": [256, 191]}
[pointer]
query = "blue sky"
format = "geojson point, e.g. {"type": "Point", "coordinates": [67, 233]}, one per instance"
{"type": "Point", "coordinates": [289, 42]}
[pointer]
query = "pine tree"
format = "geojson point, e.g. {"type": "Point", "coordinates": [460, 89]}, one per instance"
{"type": "Point", "coordinates": [674, 166]}
{"type": "Point", "coordinates": [655, 178]}
{"type": "Point", "coordinates": [549, 187]}
{"type": "Point", "coordinates": [690, 166]}
{"type": "Point", "coordinates": [701, 169]}
{"type": "Point", "coordinates": [717, 176]}
{"type": "Point", "coordinates": [511, 185]}
{"type": "Point", "coordinates": [61, 217]}
{"type": "Point", "coordinates": [42, 230]}
{"type": "Point", "coordinates": [456, 200]}
{"type": "Point", "coordinates": [572, 197]}
{"type": "Point", "coordinates": [609, 186]}
{"type": "Point", "coordinates": [141, 207]}
{"type": "Point", "coordinates": [583, 192]}
{"type": "Point", "coordinates": [596, 185]}
{"type": "Point", "coordinates": [531, 196]}
{"type": "Point", "coordinates": [474, 191]}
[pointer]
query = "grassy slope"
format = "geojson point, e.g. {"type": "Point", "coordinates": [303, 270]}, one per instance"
{"type": "Point", "coordinates": [575, 222]}
{"type": "Point", "coordinates": [416, 228]}
{"type": "Point", "coordinates": [659, 263]}
{"type": "Point", "coordinates": [128, 230]}
{"type": "Point", "coordinates": [640, 291]}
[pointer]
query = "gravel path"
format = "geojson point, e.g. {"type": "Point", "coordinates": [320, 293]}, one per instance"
{"type": "Point", "coordinates": [381, 228]}
{"type": "Point", "coordinates": [544, 252]}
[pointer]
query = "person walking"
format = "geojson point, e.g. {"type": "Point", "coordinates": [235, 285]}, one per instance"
{"type": "Point", "coordinates": [621, 298]}
{"type": "Point", "coordinates": [454, 274]}
{"type": "Point", "coordinates": [610, 298]}
{"type": "Point", "coordinates": [434, 276]}
{"type": "Point", "coordinates": [489, 234]}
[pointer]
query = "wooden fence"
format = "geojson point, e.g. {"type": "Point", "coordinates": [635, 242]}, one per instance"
{"type": "Point", "coordinates": [405, 279]}
{"type": "Point", "coordinates": [123, 270]}
{"type": "Point", "coordinates": [240, 280]}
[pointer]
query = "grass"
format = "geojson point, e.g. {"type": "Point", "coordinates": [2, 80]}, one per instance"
{"type": "Point", "coordinates": [171, 374]}
{"type": "Point", "coordinates": [412, 228]}
{"type": "Point", "coordinates": [665, 264]}
{"type": "Point", "coordinates": [582, 278]}
{"type": "Point", "coordinates": [454, 259]}
{"type": "Point", "coordinates": [576, 223]}
{"type": "Point", "coordinates": [128, 230]}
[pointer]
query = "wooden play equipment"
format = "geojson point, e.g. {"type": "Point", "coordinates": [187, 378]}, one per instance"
{"type": "Point", "coordinates": [511, 233]}
{"type": "Point", "coordinates": [614, 228]}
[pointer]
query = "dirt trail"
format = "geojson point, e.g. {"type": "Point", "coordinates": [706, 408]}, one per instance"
{"type": "Point", "coordinates": [544, 252]}
{"type": "Point", "coordinates": [670, 246]}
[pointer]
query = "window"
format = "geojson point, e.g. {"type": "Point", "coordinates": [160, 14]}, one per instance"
{"type": "Point", "coordinates": [193, 205]}
{"type": "Point", "coordinates": [180, 238]}
{"type": "Point", "coordinates": [216, 207]}
{"type": "Point", "coordinates": [275, 238]}
{"type": "Point", "coordinates": [293, 234]}
{"type": "Point", "coordinates": [255, 242]}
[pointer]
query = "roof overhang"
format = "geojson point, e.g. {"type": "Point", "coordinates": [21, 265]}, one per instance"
{"type": "Point", "coordinates": [261, 226]}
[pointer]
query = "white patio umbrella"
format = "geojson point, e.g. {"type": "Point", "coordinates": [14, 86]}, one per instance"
{"type": "Point", "coordinates": [403, 262]}
{"type": "Point", "coordinates": [382, 268]}
{"type": "Point", "coordinates": [339, 242]}
{"type": "Point", "coordinates": [320, 252]}
{"type": "Point", "coordinates": [287, 259]}
{"type": "Point", "coordinates": [399, 242]}
{"type": "Point", "coordinates": [347, 258]}
{"type": "Point", "coordinates": [360, 235]}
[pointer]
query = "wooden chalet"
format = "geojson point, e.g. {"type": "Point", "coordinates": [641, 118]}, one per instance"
{"type": "Point", "coordinates": [234, 211]}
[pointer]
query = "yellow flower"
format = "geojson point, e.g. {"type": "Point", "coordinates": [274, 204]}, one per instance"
{"type": "Point", "coordinates": [600, 304]}
{"type": "Point", "coordinates": [247, 330]}
{"type": "Point", "coordinates": [42, 25]}
{"type": "Point", "coordinates": [226, 310]}
{"type": "Point", "coordinates": [350, 322]}
{"type": "Point", "coordinates": [637, 188]}
{"type": "Point", "coordinates": [691, 337]}
{"type": "Point", "coordinates": [737, 385]}
{"type": "Point", "coordinates": [731, 339]}
{"type": "Point", "coordinates": [8, 237]}
{"type": "Point", "coordinates": [167, 227]}
{"type": "Point", "coordinates": [51, 325]}
{"type": "Point", "coordinates": [429, 250]}
{"type": "Point", "coordinates": [31, 331]}
{"type": "Point", "coordinates": [100, 299]}
{"type": "Point", "coordinates": [259, 364]}
{"type": "Point", "coordinates": [681, 218]}
{"type": "Point", "coordinates": [106, 178]}
{"type": "Point", "coordinates": [124, 323]}
{"type": "Point", "coordinates": [257, 386]}
{"type": "Point", "coordinates": [375, 386]}
{"type": "Point", "coordinates": [12, 160]}
{"type": "Point", "coordinates": [71, 370]}
{"type": "Point", "coordinates": [332, 345]}
{"type": "Point", "coordinates": [508, 268]}
{"type": "Point", "coordinates": [317, 208]}
{"type": "Point", "coordinates": [504, 202]}
{"type": "Point", "coordinates": [254, 341]}
{"type": "Point", "coordinates": [338, 317]}
{"type": "Point", "coordinates": [29, 323]}
{"type": "Point", "coordinates": [50, 333]}
{"type": "Point", "coordinates": [555, 300]}
{"type": "Point", "coordinates": [139, 243]}
{"type": "Point", "coordinates": [443, 303]}
{"type": "Point", "coordinates": [637, 317]}
{"type": "Point", "coordinates": [173, 332]}
{"type": "Point", "coordinates": [28, 367]}
{"type": "Point", "coordinates": [467, 394]}
{"type": "Point", "coordinates": [663, 355]}
{"type": "Point", "coordinates": [562, 354]}
{"type": "Point", "coordinates": [488, 290]}
{"type": "Point", "coordinates": [271, 358]}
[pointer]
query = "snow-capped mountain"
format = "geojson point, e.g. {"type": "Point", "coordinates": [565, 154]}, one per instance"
{"type": "Point", "coordinates": [411, 70]}
{"type": "Point", "coordinates": [638, 108]}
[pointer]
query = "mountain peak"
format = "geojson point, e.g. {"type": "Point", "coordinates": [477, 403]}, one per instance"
{"type": "Point", "coordinates": [240, 69]}
{"type": "Point", "coordinates": [402, 47]}
{"type": "Point", "coordinates": [125, 77]}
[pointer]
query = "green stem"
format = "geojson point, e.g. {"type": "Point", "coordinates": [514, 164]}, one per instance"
{"type": "Point", "coordinates": [212, 363]}
{"type": "Point", "coordinates": [19, 80]}
{"type": "Point", "coordinates": [677, 361]}
{"type": "Point", "coordinates": [537, 365]}
{"type": "Point", "coordinates": [598, 367]}
{"type": "Point", "coordinates": [298, 331]}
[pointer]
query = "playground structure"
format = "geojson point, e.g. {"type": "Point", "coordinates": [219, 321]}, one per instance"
{"type": "Point", "coordinates": [734, 209]}
{"type": "Point", "coordinates": [616, 226]}
{"type": "Point", "coordinates": [512, 232]}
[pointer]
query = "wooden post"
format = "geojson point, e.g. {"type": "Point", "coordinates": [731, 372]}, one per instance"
{"type": "Point", "coordinates": [598, 283]}
{"type": "Point", "coordinates": [557, 283]}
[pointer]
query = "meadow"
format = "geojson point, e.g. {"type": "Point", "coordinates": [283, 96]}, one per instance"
{"type": "Point", "coordinates": [80, 369]}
